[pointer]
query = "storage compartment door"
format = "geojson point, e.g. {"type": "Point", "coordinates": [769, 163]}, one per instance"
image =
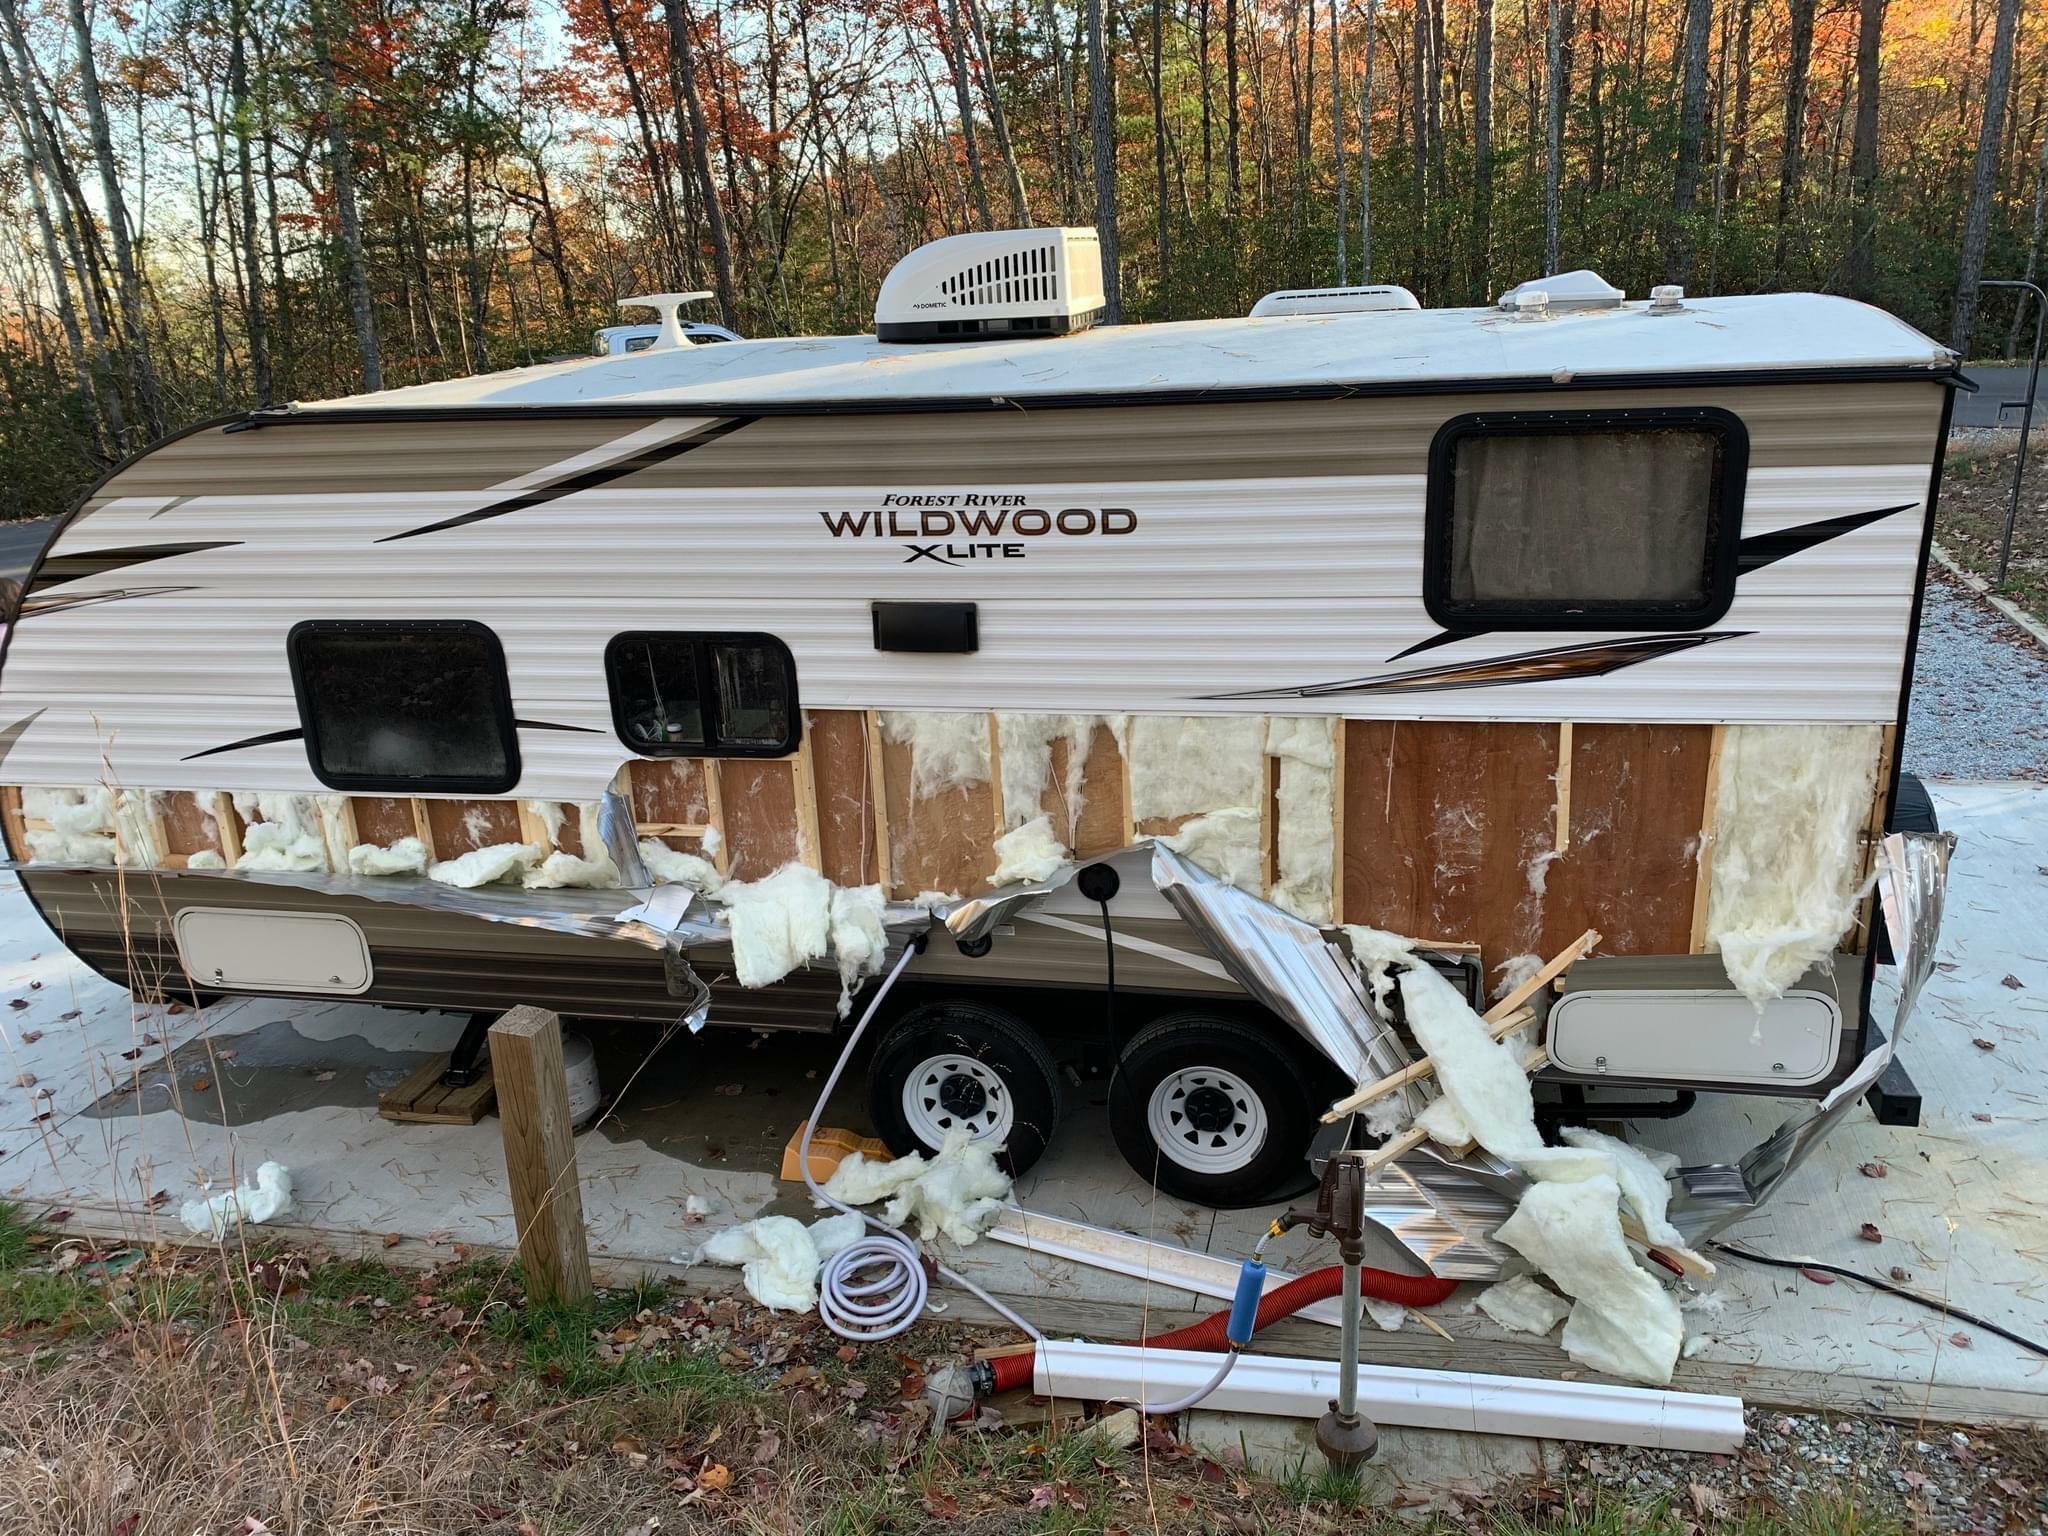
{"type": "Point", "coordinates": [253, 951]}
{"type": "Point", "coordinates": [1705, 1037]}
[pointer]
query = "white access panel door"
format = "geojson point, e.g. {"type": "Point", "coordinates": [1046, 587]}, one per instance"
{"type": "Point", "coordinates": [255, 951]}
{"type": "Point", "coordinates": [1696, 1036]}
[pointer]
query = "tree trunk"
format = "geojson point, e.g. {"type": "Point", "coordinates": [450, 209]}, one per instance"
{"type": "Point", "coordinates": [1365, 146]}
{"type": "Point", "coordinates": [1162, 213]}
{"type": "Point", "coordinates": [1337, 148]}
{"type": "Point", "coordinates": [255, 323]}
{"type": "Point", "coordinates": [683, 65]}
{"type": "Point", "coordinates": [1232, 166]}
{"type": "Point", "coordinates": [681, 268]}
{"type": "Point", "coordinates": [1553, 138]}
{"type": "Point", "coordinates": [1692, 129]}
{"type": "Point", "coordinates": [341, 169]}
{"type": "Point", "coordinates": [1792, 158]}
{"type": "Point", "coordinates": [1983, 179]}
{"type": "Point", "coordinates": [1102, 136]}
{"type": "Point", "coordinates": [1738, 118]}
{"type": "Point", "coordinates": [999, 118]}
{"type": "Point", "coordinates": [956, 63]}
{"type": "Point", "coordinates": [1863, 155]}
{"type": "Point", "coordinates": [1202, 72]}
{"type": "Point", "coordinates": [1482, 149]}
{"type": "Point", "coordinates": [1418, 116]}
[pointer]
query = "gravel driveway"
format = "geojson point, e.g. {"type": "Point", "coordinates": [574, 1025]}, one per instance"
{"type": "Point", "coordinates": [1980, 693]}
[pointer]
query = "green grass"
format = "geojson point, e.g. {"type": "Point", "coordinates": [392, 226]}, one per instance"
{"type": "Point", "coordinates": [15, 1232]}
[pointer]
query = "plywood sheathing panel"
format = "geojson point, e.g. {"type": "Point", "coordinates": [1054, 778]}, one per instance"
{"type": "Point", "coordinates": [189, 825]}
{"type": "Point", "coordinates": [382, 819]}
{"type": "Point", "coordinates": [17, 835]}
{"type": "Point", "coordinates": [940, 842]}
{"type": "Point", "coordinates": [1638, 795]}
{"type": "Point", "coordinates": [670, 791]}
{"type": "Point", "coordinates": [1441, 822]}
{"type": "Point", "coordinates": [461, 826]}
{"type": "Point", "coordinates": [1102, 826]}
{"type": "Point", "coordinates": [838, 740]}
{"type": "Point", "coordinates": [761, 822]}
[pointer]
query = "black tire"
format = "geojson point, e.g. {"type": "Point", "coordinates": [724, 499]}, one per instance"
{"type": "Point", "coordinates": [1265, 1068]}
{"type": "Point", "coordinates": [1912, 811]}
{"type": "Point", "coordinates": [996, 1039]}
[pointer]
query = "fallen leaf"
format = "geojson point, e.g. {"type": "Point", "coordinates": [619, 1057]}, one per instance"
{"type": "Point", "coordinates": [57, 1215]}
{"type": "Point", "coordinates": [1707, 1503]}
{"type": "Point", "coordinates": [65, 1018]}
{"type": "Point", "coordinates": [1901, 1274]}
{"type": "Point", "coordinates": [17, 1002]}
{"type": "Point", "coordinates": [847, 1353]}
{"type": "Point", "coordinates": [323, 1077]}
{"type": "Point", "coordinates": [26, 1080]}
{"type": "Point", "coordinates": [715, 1477]}
{"type": "Point", "coordinates": [393, 1239]}
{"type": "Point", "coordinates": [941, 1506]}
{"type": "Point", "coordinates": [1869, 1233]}
{"type": "Point", "coordinates": [1984, 1045]}
{"type": "Point", "coordinates": [1817, 1276]}
{"type": "Point", "coordinates": [31, 1036]}
{"type": "Point", "coordinates": [1875, 1171]}
{"type": "Point", "coordinates": [125, 1526]}
{"type": "Point", "coordinates": [2013, 982]}
{"type": "Point", "coordinates": [1980, 1115]}
{"type": "Point", "coordinates": [201, 1084]}
{"type": "Point", "coordinates": [767, 1448]}
{"type": "Point", "coordinates": [1960, 1340]}
{"type": "Point", "coordinates": [336, 1403]}
{"type": "Point", "coordinates": [1041, 1497]}
{"type": "Point", "coordinates": [731, 1090]}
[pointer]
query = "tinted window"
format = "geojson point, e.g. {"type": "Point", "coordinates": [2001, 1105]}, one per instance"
{"type": "Point", "coordinates": [405, 706]}
{"type": "Point", "coordinates": [1584, 519]}
{"type": "Point", "coordinates": [695, 695]}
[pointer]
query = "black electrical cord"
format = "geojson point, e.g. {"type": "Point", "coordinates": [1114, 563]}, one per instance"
{"type": "Point", "coordinates": [1932, 1303]}
{"type": "Point", "coordinates": [1109, 990]}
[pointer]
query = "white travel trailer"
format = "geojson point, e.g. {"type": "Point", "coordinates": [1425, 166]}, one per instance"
{"type": "Point", "coordinates": [1482, 627]}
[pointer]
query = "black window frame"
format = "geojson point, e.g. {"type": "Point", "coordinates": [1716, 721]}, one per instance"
{"type": "Point", "coordinates": [707, 692]}
{"type": "Point", "coordinates": [1724, 528]}
{"type": "Point", "coordinates": [502, 710]}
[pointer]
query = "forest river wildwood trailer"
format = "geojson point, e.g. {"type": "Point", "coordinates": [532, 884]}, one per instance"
{"type": "Point", "coordinates": [1482, 626]}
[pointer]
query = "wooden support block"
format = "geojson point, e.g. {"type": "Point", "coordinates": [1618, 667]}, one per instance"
{"type": "Point", "coordinates": [533, 827]}
{"type": "Point", "coordinates": [228, 828]}
{"type": "Point", "coordinates": [423, 1099]}
{"type": "Point", "coordinates": [878, 789]}
{"type": "Point", "coordinates": [1269, 825]}
{"type": "Point", "coordinates": [1564, 786]}
{"type": "Point", "coordinates": [10, 809]}
{"type": "Point", "coordinates": [809, 848]}
{"type": "Point", "coordinates": [423, 829]}
{"type": "Point", "coordinates": [1858, 938]}
{"type": "Point", "coordinates": [540, 1153]}
{"type": "Point", "coordinates": [1337, 831]}
{"type": "Point", "coordinates": [995, 776]}
{"type": "Point", "coordinates": [338, 829]}
{"type": "Point", "coordinates": [714, 812]}
{"type": "Point", "coordinates": [1703, 883]}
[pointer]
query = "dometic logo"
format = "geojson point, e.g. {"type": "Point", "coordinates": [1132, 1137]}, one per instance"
{"type": "Point", "coordinates": [951, 528]}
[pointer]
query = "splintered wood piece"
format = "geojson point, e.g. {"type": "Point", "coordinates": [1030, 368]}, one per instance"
{"type": "Point", "coordinates": [1401, 1145]}
{"type": "Point", "coordinates": [1416, 1071]}
{"type": "Point", "coordinates": [1556, 966]}
{"type": "Point", "coordinates": [878, 790]}
{"type": "Point", "coordinates": [809, 848]}
{"type": "Point", "coordinates": [1564, 786]}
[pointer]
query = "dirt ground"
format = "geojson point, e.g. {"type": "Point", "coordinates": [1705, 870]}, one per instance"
{"type": "Point", "coordinates": [1976, 491]}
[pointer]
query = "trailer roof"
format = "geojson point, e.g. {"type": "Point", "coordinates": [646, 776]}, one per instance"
{"type": "Point", "coordinates": [1423, 350]}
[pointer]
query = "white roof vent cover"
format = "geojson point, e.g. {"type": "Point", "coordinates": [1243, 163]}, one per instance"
{"type": "Point", "coordinates": [994, 286]}
{"type": "Point", "coordinates": [1583, 289]}
{"type": "Point", "coordinates": [1374, 299]}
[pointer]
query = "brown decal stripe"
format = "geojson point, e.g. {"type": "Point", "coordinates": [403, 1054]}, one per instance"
{"type": "Point", "coordinates": [34, 605]}
{"type": "Point", "coordinates": [269, 738]}
{"type": "Point", "coordinates": [58, 569]}
{"type": "Point", "coordinates": [549, 725]}
{"type": "Point", "coordinates": [1593, 659]}
{"type": "Point", "coordinates": [589, 479]}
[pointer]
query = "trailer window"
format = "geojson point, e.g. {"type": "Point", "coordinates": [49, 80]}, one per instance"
{"type": "Point", "coordinates": [1584, 519]}
{"type": "Point", "coordinates": [697, 695]}
{"type": "Point", "coordinates": [405, 706]}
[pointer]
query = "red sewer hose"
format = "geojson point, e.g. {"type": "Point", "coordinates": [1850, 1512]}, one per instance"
{"type": "Point", "coordinates": [1284, 1301]}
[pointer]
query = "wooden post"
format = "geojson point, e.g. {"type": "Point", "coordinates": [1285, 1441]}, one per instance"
{"type": "Point", "coordinates": [540, 1153]}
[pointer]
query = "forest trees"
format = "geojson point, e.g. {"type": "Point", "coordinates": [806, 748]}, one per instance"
{"type": "Point", "coordinates": [211, 204]}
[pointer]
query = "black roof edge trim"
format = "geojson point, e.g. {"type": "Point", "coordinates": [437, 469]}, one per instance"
{"type": "Point", "coordinates": [1083, 399]}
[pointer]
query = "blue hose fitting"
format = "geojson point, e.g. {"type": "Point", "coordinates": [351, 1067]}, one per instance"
{"type": "Point", "coordinates": [1244, 1307]}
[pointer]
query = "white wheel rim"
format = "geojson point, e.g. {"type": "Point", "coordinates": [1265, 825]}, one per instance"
{"type": "Point", "coordinates": [1187, 1119]}
{"type": "Point", "coordinates": [946, 1092]}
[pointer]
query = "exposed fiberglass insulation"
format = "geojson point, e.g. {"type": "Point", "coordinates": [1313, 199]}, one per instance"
{"type": "Point", "coordinates": [486, 866]}
{"type": "Point", "coordinates": [1028, 852]}
{"type": "Point", "coordinates": [1377, 952]}
{"type": "Point", "coordinates": [1791, 803]}
{"type": "Point", "coordinates": [1513, 971]}
{"type": "Point", "coordinates": [959, 1193]}
{"type": "Point", "coordinates": [778, 1256]}
{"type": "Point", "coordinates": [407, 856]}
{"type": "Point", "coordinates": [281, 832]}
{"type": "Point", "coordinates": [205, 858]}
{"type": "Point", "coordinates": [1024, 747]}
{"type": "Point", "coordinates": [1643, 1185]}
{"type": "Point", "coordinates": [1521, 1305]}
{"type": "Point", "coordinates": [669, 866]}
{"type": "Point", "coordinates": [1192, 765]}
{"type": "Point", "coordinates": [778, 923]}
{"type": "Point", "coordinates": [81, 827]}
{"type": "Point", "coordinates": [859, 941]}
{"type": "Point", "coordinates": [1306, 853]}
{"type": "Point", "coordinates": [1228, 843]}
{"type": "Point", "coordinates": [948, 750]}
{"type": "Point", "coordinates": [549, 814]}
{"type": "Point", "coordinates": [594, 869]}
{"type": "Point", "coordinates": [1569, 1223]}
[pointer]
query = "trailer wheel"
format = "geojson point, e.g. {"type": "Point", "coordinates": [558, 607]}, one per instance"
{"type": "Point", "coordinates": [953, 1064]}
{"type": "Point", "coordinates": [1210, 1110]}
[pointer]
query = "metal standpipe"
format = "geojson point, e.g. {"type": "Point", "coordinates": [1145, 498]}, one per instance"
{"type": "Point", "coordinates": [2012, 510]}
{"type": "Point", "coordinates": [1346, 1437]}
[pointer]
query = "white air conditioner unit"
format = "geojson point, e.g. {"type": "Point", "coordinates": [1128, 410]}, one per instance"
{"type": "Point", "coordinates": [1335, 301]}
{"type": "Point", "coordinates": [996, 286]}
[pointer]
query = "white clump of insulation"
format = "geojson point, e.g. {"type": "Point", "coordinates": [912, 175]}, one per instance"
{"type": "Point", "coordinates": [1538, 870]}
{"type": "Point", "coordinates": [334, 829]}
{"type": "Point", "coordinates": [1304, 847]}
{"type": "Point", "coordinates": [549, 814]}
{"type": "Point", "coordinates": [1622, 1321]}
{"type": "Point", "coordinates": [267, 1199]}
{"type": "Point", "coordinates": [593, 870]}
{"type": "Point", "coordinates": [669, 866]}
{"type": "Point", "coordinates": [1227, 843]}
{"type": "Point", "coordinates": [1791, 804]}
{"type": "Point", "coordinates": [1442, 1123]}
{"type": "Point", "coordinates": [1387, 1316]}
{"type": "Point", "coordinates": [1190, 765]}
{"type": "Point", "coordinates": [485, 866]}
{"type": "Point", "coordinates": [283, 832]}
{"type": "Point", "coordinates": [1643, 1186]}
{"type": "Point", "coordinates": [1484, 1081]}
{"type": "Point", "coordinates": [81, 827]}
{"type": "Point", "coordinates": [1521, 1305]}
{"type": "Point", "coordinates": [407, 856]}
{"type": "Point", "coordinates": [711, 842]}
{"type": "Point", "coordinates": [1024, 748]}
{"type": "Point", "coordinates": [1514, 971]}
{"type": "Point", "coordinates": [1378, 952]}
{"type": "Point", "coordinates": [136, 843]}
{"type": "Point", "coordinates": [958, 1193]}
{"type": "Point", "coordinates": [205, 858]}
{"type": "Point", "coordinates": [1028, 852]}
{"type": "Point", "coordinates": [778, 1256]}
{"type": "Point", "coordinates": [948, 750]}
{"type": "Point", "coordinates": [778, 923]}
{"type": "Point", "coordinates": [859, 942]}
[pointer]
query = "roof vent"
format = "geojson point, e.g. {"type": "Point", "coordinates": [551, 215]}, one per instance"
{"type": "Point", "coordinates": [671, 307]}
{"type": "Point", "coordinates": [995, 286]}
{"type": "Point", "coordinates": [1334, 301]}
{"type": "Point", "coordinates": [1583, 289]}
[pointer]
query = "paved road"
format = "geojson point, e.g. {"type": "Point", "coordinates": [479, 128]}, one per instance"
{"type": "Point", "coordinates": [19, 543]}
{"type": "Point", "coordinates": [1995, 385]}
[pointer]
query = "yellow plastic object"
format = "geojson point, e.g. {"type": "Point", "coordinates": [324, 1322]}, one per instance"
{"type": "Point", "coordinates": [829, 1148]}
